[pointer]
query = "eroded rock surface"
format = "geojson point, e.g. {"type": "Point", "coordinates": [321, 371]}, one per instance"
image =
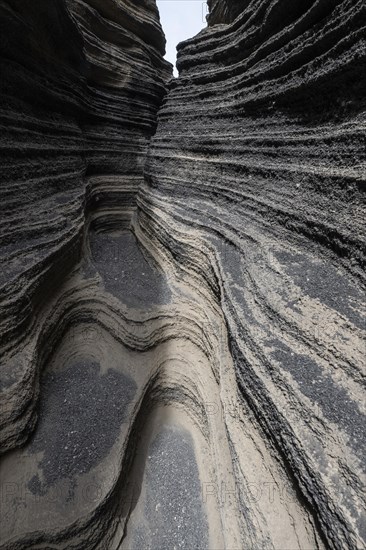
{"type": "Point", "coordinates": [182, 356]}
{"type": "Point", "coordinates": [81, 84]}
{"type": "Point", "coordinates": [255, 187]}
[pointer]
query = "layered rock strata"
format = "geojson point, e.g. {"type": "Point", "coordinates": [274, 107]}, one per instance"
{"type": "Point", "coordinates": [81, 83]}
{"type": "Point", "coordinates": [80, 87]}
{"type": "Point", "coordinates": [183, 357]}
{"type": "Point", "coordinates": [255, 188]}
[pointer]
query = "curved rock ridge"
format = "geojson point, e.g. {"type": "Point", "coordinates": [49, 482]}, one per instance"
{"type": "Point", "coordinates": [126, 360]}
{"type": "Point", "coordinates": [224, 11]}
{"type": "Point", "coordinates": [255, 185]}
{"type": "Point", "coordinates": [182, 355]}
{"type": "Point", "coordinates": [81, 82]}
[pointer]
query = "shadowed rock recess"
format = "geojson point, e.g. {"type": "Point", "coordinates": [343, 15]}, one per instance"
{"type": "Point", "coordinates": [182, 286]}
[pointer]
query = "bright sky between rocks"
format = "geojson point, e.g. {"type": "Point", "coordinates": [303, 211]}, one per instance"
{"type": "Point", "coordinates": [180, 19]}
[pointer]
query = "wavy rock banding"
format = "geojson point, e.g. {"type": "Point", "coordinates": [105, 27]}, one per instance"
{"type": "Point", "coordinates": [183, 334]}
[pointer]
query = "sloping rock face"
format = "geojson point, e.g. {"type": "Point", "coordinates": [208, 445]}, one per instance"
{"type": "Point", "coordinates": [81, 84]}
{"type": "Point", "coordinates": [255, 189]}
{"type": "Point", "coordinates": [182, 354]}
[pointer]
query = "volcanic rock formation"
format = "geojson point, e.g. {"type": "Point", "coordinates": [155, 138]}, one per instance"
{"type": "Point", "coordinates": [183, 333]}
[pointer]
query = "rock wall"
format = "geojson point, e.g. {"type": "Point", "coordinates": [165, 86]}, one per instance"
{"type": "Point", "coordinates": [255, 187]}
{"type": "Point", "coordinates": [81, 83]}
{"type": "Point", "coordinates": [182, 355]}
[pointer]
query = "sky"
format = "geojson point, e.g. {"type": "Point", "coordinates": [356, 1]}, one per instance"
{"type": "Point", "coordinates": [180, 19]}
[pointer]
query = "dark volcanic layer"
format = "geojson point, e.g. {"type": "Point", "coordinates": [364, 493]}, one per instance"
{"type": "Point", "coordinates": [255, 187]}
{"type": "Point", "coordinates": [182, 357]}
{"type": "Point", "coordinates": [81, 82]}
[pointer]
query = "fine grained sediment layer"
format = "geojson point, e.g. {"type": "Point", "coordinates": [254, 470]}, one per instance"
{"type": "Point", "coordinates": [255, 187]}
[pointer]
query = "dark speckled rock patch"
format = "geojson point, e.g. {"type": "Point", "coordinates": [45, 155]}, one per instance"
{"type": "Point", "coordinates": [125, 271]}
{"type": "Point", "coordinates": [324, 282]}
{"type": "Point", "coordinates": [173, 512]}
{"type": "Point", "coordinates": [333, 399]}
{"type": "Point", "coordinates": [80, 416]}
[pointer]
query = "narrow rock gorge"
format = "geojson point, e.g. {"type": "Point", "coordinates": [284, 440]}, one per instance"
{"type": "Point", "coordinates": [182, 283]}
